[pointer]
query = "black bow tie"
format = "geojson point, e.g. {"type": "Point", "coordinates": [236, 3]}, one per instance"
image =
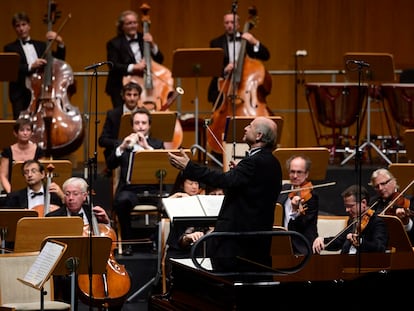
{"type": "Point", "coordinates": [231, 38]}
{"type": "Point", "coordinates": [77, 214]}
{"type": "Point", "coordinates": [133, 40]}
{"type": "Point", "coordinates": [34, 194]}
{"type": "Point", "coordinates": [27, 41]}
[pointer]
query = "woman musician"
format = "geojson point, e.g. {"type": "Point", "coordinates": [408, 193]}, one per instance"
{"type": "Point", "coordinates": [367, 233]}
{"type": "Point", "coordinates": [391, 201]}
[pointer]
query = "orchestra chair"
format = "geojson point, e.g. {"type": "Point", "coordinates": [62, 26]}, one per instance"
{"type": "Point", "coordinates": [330, 226]}
{"type": "Point", "coordinates": [62, 170]}
{"type": "Point", "coordinates": [404, 173]}
{"type": "Point", "coordinates": [145, 210]}
{"type": "Point", "coordinates": [18, 296]}
{"type": "Point", "coordinates": [398, 240]}
{"type": "Point", "coordinates": [281, 245]}
{"type": "Point", "coordinates": [31, 231]}
{"type": "Point", "coordinates": [233, 145]}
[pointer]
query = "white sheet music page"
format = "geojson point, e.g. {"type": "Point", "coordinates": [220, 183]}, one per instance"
{"type": "Point", "coordinates": [193, 206]}
{"type": "Point", "coordinates": [211, 204]}
{"type": "Point", "coordinates": [41, 269]}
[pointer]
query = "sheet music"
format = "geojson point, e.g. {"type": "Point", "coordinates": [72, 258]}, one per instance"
{"type": "Point", "coordinates": [193, 206]}
{"type": "Point", "coordinates": [41, 269]}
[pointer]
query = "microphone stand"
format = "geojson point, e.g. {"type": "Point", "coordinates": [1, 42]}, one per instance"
{"type": "Point", "coordinates": [90, 176]}
{"type": "Point", "coordinates": [234, 7]}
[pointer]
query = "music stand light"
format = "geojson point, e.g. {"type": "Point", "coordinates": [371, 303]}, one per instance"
{"type": "Point", "coordinates": [196, 63]}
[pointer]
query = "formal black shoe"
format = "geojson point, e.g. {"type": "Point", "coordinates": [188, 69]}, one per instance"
{"type": "Point", "coordinates": [127, 251]}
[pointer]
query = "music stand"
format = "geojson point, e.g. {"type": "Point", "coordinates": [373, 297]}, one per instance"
{"type": "Point", "coordinates": [8, 223]}
{"type": "Point", "coordinates": [77, 257]}
{"type": "Point", "coordinates": [9, 64]}
{"type": "Point", "coordinates": [196, 63]}
{"type": "Point", "coordinates": [318, 155]}
{"type": "Point", "coordinates": [153, 167]}
{"type": "Point", "coordinates": [6, 127]}
{"type": "Point", "coordinates": [62, 171]}
{"type": "Point", "coordinates": [162, 125]}
{"type": "Point", "coordinates": [381, 70]}
{"type": "Point", "coordinates": [30, 232]}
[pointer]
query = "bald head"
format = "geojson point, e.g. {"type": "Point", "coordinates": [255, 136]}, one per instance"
{"type": "Point", "coordinates": [261, 132]}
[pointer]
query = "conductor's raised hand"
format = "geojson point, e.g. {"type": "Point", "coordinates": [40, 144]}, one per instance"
{"type": "Point", "coordinates": [179, 161]}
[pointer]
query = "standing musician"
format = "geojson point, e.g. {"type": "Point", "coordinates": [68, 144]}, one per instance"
{"type": "Point", "coordinates": [300, 208]}
{"type": "Point", "coordinates": [254, 49]}
{"type": "Point", "coordinates": [126, 53]}
{"type": "Point", "coordinates": [387, 189]}
{"type": "Point", "coordinates": [34, 194]}
{"type": "Point", "coordinates": [367, 233]}
{"type": "Point", "coordinates": [30, 52]}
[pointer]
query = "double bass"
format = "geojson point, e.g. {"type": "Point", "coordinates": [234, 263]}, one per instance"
{"type": "Point", "coordinates": [244, 91]}
{"type": "Point", "coordinates": [57, 125]}
{"type": "Point", "coordinates": [157, 84]}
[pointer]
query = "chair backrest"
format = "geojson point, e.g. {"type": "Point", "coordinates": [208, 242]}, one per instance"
{"type": "Point", "coordinates": [31, 231]}
{"type": "Point", "coordinates": [13, 266]}
{"type": "Point", "coordinates": [331, 225]}
{"type": "Point", "coordinates": [19, 296]}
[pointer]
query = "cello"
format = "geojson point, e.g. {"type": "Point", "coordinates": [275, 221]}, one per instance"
{"type": "Point", "coordinates": [108, 289]}
{"type": "Point", "coordinates": [156, 82]}
{"type": "Point", "coordinates": [244, 91]}
{"type": "Point", "coordinates": [57, 124]}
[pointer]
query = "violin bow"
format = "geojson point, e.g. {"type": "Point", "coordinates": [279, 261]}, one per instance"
{"type": "Point", "coordinates": [311, 187]}
{"type": "Point", "coordinates": [392, 202]}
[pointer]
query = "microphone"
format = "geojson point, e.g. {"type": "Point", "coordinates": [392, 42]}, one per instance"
{"type": "Point", "coordinates": [301, 53]}
{"type": "Point", "coordinates": [360, 63]}
{"type": "Point", "coordinates": [96, 65]}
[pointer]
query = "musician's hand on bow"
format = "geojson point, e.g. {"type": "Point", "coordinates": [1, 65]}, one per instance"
{"type": "Point", "coordinates": [318, 245]}
{"type": "Point", "coordinates": [232, 164]}
{"type": "Point", "coordinates": [179, 161]}
{"type": "Point", "coordinates": [228, 69]}
{"type": "Point", "coordinates": [139, 67]}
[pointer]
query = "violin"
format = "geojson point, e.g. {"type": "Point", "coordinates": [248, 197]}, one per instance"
{"type": "Point", "coordinates": [364, 220]}
{"type": "Point", "coordinates": [399, 201]}
{"type": "Point", "coordinates": [305, 194]}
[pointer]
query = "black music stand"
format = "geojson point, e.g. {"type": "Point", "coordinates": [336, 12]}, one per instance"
{"type": "Point", "coordinates": [9, 64]}
{"type": "Point", "coordinates": [196, 63]}
{"type": "Point", "coordinates": [153, 167]}
{"type": "Point", "coordinates": [380, 70]}
{"type": "Point", "coordinates": [162, 125]}
{"type": "Point", "coordinates": [8, 223]}
{"type": "Point", "coordinates": [77, 257]}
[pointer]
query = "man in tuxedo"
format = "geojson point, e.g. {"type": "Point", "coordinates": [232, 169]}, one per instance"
{"type": "Point", "coordinates": [33, 196]}
{"type": "Point", "coordinates": [126, 53]}
{"type": "Point", "coordinates": [31, 59]}
{"type": "Point", "coordinates": [75, 191]}
{"type": "Point", "coordinates": [230, 42]}
{"type": "Point", "coordinates": [126, 196]}
{"type": "Point", "coordinates": [108, 139]}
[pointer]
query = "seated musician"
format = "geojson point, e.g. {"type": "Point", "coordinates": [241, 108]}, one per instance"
{"type": "Point", "coordinates": [367, 233]}
{"type": "Point", "coordinates": [75, 190]}
{"type": "Point", "coordinates": [33, 195]}
{"type": "Point", "coordinates": [390, 201]}
{"type": "Point", "coordinates": [126, 196]}
{"type": "Point", "coordinates": [300, 208]}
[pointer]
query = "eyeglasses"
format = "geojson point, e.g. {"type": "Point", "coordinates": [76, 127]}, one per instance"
{"type": "Point", "coordinates": [382, 184]}
{"type": "Point", "coordinates": [33, 171]}
{"type": "Point", "coordinates": [296, 172]}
